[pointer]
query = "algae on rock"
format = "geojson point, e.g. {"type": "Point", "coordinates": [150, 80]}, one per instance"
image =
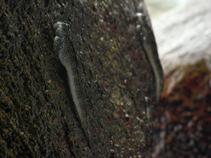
{"type": "Point", "coordinates": [36, 109]}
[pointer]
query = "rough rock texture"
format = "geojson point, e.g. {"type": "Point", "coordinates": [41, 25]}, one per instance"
{"type": "Point", "coordinates": [183, 117]}
{"type": "Point", "coordinates": [37, 117]}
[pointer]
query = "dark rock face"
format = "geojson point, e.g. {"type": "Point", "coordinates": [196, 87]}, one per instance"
{"type": "Point", "coordinates": [38, 118]}
{"type": "Point", "coordinates": [183, 117]}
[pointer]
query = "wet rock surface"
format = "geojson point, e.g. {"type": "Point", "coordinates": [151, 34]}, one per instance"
{"type": "Point", "coordinates": [38, 118]}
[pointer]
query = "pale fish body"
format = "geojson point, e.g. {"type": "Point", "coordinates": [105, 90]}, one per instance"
{"type": "Point", "coordinates": [149, 45]}
{"type": "Point", "coordinates": [64, 48]}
